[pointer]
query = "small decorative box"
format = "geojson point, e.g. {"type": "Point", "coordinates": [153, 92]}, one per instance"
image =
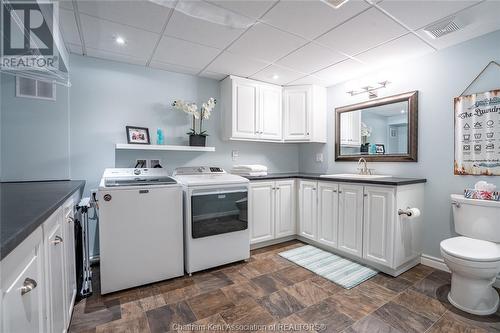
{"type": "Point", "coordinates": [483, 195]}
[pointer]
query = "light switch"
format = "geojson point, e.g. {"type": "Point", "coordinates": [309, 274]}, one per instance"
{"type": "Point", "coordinates": [235, 154]}
{"type": "Point", "coordinates": [319, 157]}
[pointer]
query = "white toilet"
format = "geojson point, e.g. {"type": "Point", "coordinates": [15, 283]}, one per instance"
{"type": "Point", "coordinates": [474, 258]}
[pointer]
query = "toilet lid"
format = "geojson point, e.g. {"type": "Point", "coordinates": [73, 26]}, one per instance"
{"type": "Point", "coordinates": [471, 249]}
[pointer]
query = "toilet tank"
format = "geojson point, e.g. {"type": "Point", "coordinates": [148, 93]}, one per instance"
{"type": "Point", "coordinates": [479, 219]}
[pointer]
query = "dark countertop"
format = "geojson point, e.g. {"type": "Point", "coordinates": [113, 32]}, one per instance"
{"type": "Point", "coordinates": [24, 206]}
{"type": "Point", "coordinates": [393, 181]}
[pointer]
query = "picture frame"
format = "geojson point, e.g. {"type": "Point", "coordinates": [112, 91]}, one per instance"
{"type": "Point", "coordinates": [138, 135]}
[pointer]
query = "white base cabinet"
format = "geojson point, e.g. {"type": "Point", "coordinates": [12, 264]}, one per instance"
{"type": "Point", "coordinates": [38, 280]}
{"type": "Point", "coordinates": [271, 210]}
{"type": "Point", "coordinates": [361, 221]}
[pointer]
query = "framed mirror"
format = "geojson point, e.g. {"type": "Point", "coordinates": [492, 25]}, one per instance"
{"type": "Point", "coordinates": [379, 130]}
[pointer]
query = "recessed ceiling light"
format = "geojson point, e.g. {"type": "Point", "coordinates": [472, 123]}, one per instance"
{"type": "Point", "coordinates": [120, 40]}
{"type": "Point", "coordinates": [335, 3]}
{"type": "Point", "coordinates": [275, 77]}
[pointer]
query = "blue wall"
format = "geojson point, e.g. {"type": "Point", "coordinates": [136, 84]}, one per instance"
{"type": "Point", "coordinates": [34, 135]}
{"type": "Point", "coordinates": [438, 77]}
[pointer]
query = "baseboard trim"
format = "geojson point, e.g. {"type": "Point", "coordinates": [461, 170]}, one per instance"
{"type": "Point", "coordinates": [438, 263]}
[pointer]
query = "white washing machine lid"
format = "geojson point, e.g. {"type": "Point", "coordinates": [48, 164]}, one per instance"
{"type": "Point", "coordinates": [471, 249]}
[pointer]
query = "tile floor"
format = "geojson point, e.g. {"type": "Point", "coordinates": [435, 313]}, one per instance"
{"type": "Point", "coordinates": [271, 292]}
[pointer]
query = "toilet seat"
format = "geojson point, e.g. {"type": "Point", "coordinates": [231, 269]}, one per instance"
{"type": "Point", "coordinates": [470, 249]}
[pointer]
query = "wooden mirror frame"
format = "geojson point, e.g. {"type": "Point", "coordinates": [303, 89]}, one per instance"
{"type": "Point", "coordinates": [412, 155]}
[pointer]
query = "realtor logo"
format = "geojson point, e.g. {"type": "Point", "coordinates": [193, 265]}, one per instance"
{"type": "Point", "coordinates": [489, 135]}
{"type": "Point", "coordinates": [27, 41]}
{"type": "Point", "coordinates": [477, 136]}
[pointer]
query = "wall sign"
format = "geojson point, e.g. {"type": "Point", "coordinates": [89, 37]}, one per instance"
{"type": "Point", "coordinates": [477, 134]}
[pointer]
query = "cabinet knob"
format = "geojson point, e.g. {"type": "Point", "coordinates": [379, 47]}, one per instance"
{"type": "Point", "coordinates": [28, 285]}
{"type": "Point", "coordinates": [334, 191]}
{"type": "Point", "coordinates": [365, 195]}
{"type": "Point", "coordinates": [57, 240]}
{"type": "Point", "coordinates": [340, 191]}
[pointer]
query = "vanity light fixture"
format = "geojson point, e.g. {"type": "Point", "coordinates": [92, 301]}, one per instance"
{"type": "Point", "coordinates": [335, 3]}
{"type": "Point", "coordinates": [120, 40]}
{"type": "Point", "coordinates": [372, 90]}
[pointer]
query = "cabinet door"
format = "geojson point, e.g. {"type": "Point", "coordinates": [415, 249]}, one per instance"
{"type": "Point", "coordinates": [285, 208]}
{"type": "Point", "coordinates": [378, 224]}
{"type": "Point", "coordinates": [245, 109]}
{"type": "Point", "coordinates": [297, 113]}
{"type": "Point", "coordinates": [22, 295]}
{"type": "Point", "coordinates": [69, 259]}
{"type": "Point", "coordinates": [328, 213]}
{"type": "Point", "coordinates": [351, 219]}
{"type": "Point", "coordinates": [261, 211]}
{"type": "Point", "coordinates": [270, 118]}
{"type": "Point", "coordinates": [307, 209]}
{"type": "Point", "coordinates": [55, 275]}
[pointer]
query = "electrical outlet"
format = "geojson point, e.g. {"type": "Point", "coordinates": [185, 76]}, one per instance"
{"type": "Point", "coordinates": [141, 163]}
{"type": "Point", "coordinates": [319, 157]}
{"type": "Point", "coordinates": [154, 163]}
{"type": "Point", "coordinates": [235, 154]}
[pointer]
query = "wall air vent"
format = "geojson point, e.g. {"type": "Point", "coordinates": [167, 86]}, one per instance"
{"type": "Point", "coordinates": [31, 88]}
{"type": "Point", "coordinates": [444, 27]}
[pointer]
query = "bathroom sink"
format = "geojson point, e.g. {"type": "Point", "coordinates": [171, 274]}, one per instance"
{"type": "Point", "coordinates": [355, 176]}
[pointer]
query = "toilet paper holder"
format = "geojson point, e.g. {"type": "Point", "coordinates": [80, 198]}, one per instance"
{"type": "Point", "coordinates": [406, 212]}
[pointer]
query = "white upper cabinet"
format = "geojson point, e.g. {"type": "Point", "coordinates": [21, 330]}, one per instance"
{"type": "Point", "coordinates": [257, 111]}
{"type": "Point", "coordinates": [270, 115]}
{"type": "Point", "coordinates": [350, 131]}
{"type": "Point", "coordinates": [252, 110]}
{"type": "Point", "coordinates": [328, 213]}
{"type": "Point", "coordinates": [304, 114]}
{"type": "Point", "coordinates": [379, 214]}
{"type": "Point", "coordinates": [351, 219]}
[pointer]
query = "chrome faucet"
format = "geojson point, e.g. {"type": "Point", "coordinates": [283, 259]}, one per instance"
{"type": "Point", "coordinates": [364, 170]}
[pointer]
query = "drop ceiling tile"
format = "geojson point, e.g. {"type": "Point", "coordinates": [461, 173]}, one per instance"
{"type": "Point", "coordinates": [310, 18]}
{"type": "Point", "coordinates": [342, 71]}
{"type": "Point", "coordinates": [206, 30]}
{"type": "Point", "coordinates": [74, 48]}
{"type": "Point", "coordinates": [236, 64]}
{"type": "Point", "coordinates": [254, 9]}
{"type": "Point", "coordinates": [417, 14]}
{"type": "Point", "coordinates": [99, 34]}
{"type": "Point", "coordinates": [362, 32]}
{"type": "Point", "coordinates": [183, 53]}
{"type": "Point", "coordinates": [213, 75]}
{"type": "Point", "coordinates": [277, 75]}
{"type": "Point", "coordinates": [394, 52]}
{"type": "Point", "coordinates": [67, 24]}
{"type": "Point", "coordinates": [106, 55]}
{"type": "Point", "coordinates": [310, 58]}
{"type": "Point", "coordinates": [141, 14]}
{"type": "Point", "coordinates": [310, 79]}
{"type": "Point", "coordinates": [479, 20]}
{"type": "Point", "coordinates": [174, 68]}
{"type": "Point", "coordinates": [266, 43]}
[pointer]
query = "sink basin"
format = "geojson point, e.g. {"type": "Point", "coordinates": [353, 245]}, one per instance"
{"type": "Point", "coordinates": [354, 176]}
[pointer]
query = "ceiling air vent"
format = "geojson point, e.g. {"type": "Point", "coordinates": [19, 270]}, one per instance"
{"type": "Point", "coordinates": [31, 88]}
{"type": "Point", "coordinates": [444, 27]}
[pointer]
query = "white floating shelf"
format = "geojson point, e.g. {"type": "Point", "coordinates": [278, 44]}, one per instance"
{"type": "Point", "coordinates": [126, 146]}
